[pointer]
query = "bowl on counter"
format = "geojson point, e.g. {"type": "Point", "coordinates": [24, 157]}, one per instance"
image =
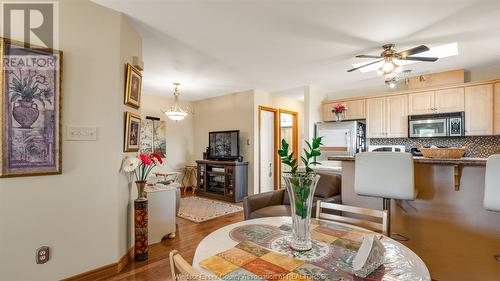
{"type": "Point", "coordinates": [443, 153]}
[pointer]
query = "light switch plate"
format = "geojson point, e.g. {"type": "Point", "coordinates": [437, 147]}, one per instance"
{"type": "Point", "coordinates": [79, 133]}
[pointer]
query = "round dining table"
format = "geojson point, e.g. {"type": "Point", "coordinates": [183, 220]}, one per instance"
{"type": "Point", "coordinates": [404, 263]}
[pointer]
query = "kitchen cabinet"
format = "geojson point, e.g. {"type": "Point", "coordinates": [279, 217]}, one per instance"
{"type": "Point", "coordinates": [479, 110]}
{"type": "Point", "coordinates": [375, 118]}
{"type": "Point", "coordinates": [496, 121]}
{"type": "Point", "coordinates": [387, 117]}
{"type": "Point", "coordinates": [449, 100]}
{"type": "Point", "coordinates": [356, 109]}
{"type": "Point", "coordinates": [421, 103]}
{"type": "Point", "coordinates": [397, 116]}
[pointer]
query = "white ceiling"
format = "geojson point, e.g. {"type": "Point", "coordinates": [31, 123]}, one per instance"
{"type": "Point", "coordinates": [218, 47]}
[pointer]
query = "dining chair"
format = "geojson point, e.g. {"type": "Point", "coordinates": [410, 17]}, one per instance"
{"type": "Point", "coordinates": [370, 215]}
{"type": "Point", "coordinates": [492, 184]}
{"type": "Point", "coordinates": [181, 270]}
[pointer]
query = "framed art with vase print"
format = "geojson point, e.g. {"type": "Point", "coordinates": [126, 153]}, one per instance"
{"type": "Point", "coordinates": [30, 115]}
{"type": "Point", "coordinates": [132, 132]}
{"type": "Point", "coordinates": [133, 86]}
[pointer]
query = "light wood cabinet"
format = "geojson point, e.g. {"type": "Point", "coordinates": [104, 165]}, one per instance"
{"type": "Point", "coordinates": [356, 109]}
{"type": "Point", "coordinates": [449, 100]}
{"type": "Point", "coordinates": [479, 110]}
{"type": "Point", "coordinates": [421, 103]}
{"type": "Point", "coordinates": [397, 116]}
{"type": "Point", "coordinates": [496, 121]}
{"type": "Point", "coordinates": [375, 118]}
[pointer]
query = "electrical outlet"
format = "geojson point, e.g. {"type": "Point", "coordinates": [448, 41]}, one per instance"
{"type": "Point", "coordinates": [42, 255]}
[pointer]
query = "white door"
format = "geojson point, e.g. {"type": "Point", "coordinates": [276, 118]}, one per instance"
{"type": "Point", "coordinates": [267, 150]}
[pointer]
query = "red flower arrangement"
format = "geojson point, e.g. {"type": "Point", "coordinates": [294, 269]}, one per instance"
{"type": "Point", "coordinates": [143, 165]}
{"type": "Point", "coordinates": [339, 108]}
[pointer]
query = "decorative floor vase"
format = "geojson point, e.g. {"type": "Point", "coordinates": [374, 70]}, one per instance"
{"type": "Point", "coordinates": [141, 229]}
{"type": "Point", "coordinates": [301, 189]}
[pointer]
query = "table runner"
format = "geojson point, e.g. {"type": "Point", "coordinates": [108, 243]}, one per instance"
{"type": "Point", "coordinates": [263, 253]}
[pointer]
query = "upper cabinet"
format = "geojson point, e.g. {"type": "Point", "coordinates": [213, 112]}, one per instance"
{"type": "Point", "coordinates": [387, 117]}
{"type": "Point", "coordinates": [449, 100]}
{"type": "Point", "coordinates": [496, 120]}
{"type": "Point", "coordinates": [397, 116]}
{"type": "Point", "coordinates": [421, 103]}
{"type": "Point", "coordinates": [479, 110]}
{"type": "Point", "coordinates": [355, 110]}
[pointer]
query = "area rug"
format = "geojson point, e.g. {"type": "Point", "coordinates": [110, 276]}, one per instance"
{"type": "Point", "coordinates": [199, 209]}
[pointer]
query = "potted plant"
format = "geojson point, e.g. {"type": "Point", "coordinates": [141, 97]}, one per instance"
{"type": "Point", "coordinates": [300, 186]}
{"type": "Point", "coordinates": [24, 91]}
{"type": "Point", "coordinates": [141, 167]}
{"type": "Point", "coordinates": [339, 111]}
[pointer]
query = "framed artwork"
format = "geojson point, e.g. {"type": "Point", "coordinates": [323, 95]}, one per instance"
{"type": "Point", "coordinates": [154, 136]}
{"type": "Point", "coordinates": [30, 112]}
{"type": "Point", "coordinates": [133, 87]}
{"type": "Point", "coordinates": [132, 132]}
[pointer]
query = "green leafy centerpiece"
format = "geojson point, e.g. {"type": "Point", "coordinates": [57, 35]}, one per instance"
{"type": "Point", "coordinates": [300, 186]}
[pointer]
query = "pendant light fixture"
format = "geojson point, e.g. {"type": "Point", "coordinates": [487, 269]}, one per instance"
{"type": "Point", "coordinates": [176, 112]}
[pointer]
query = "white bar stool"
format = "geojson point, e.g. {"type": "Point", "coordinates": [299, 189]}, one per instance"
{"type": "Point", "coordinates": [388, 175]}
{"type": "Point", "coordinates": [492, 184]}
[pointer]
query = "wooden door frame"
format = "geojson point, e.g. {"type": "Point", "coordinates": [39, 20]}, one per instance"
{"type": "Point", "coordinates": [277, 164]}
{"type": "Point", "coordinates": [295, 137]}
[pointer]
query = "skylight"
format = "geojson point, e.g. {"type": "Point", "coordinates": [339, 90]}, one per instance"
{"type": "Point", "coordinates": [442, 51]}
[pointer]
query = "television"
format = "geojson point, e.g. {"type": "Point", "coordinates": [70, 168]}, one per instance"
{"type": "Point", "coordinates": [224, 145]}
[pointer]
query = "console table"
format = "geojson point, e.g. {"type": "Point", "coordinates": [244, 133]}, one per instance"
{"type": "Point", "coordinates": [223, 180]}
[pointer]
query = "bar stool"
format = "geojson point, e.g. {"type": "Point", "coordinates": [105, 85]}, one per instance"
{"type": "Point", "coordinates": [387, 175]}
{"type": "Point", "coordinates": [492, 184]}
{"type": "Point", "coordinates": [189, 178]}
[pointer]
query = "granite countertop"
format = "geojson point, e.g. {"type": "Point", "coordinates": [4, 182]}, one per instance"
{"type": "Point", "coordinates": [469, 161]}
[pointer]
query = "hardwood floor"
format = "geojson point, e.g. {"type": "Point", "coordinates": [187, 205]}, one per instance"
{"type": "Point", "coordinates": [188, 235]}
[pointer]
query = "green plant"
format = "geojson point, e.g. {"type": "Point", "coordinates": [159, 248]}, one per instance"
{"type": "Point", "coordinates": [301, 182]}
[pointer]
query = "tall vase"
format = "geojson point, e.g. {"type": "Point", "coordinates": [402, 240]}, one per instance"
{"type": "Point", "coordinates": [141, 223]}
{"type": "Point", "coordinates": [301, 189]}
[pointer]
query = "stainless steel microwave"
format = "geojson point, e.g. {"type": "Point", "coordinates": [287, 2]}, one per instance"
{"type": "Point", "coordinates": [436, 125]}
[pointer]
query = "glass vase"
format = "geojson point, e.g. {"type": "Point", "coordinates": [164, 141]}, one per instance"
{"type": "Point", "coordinates": [300, 188]}
{"type": "Point", "coordinates": [141, 185]}
{"type": "Point", "coordinates": [339, 116]}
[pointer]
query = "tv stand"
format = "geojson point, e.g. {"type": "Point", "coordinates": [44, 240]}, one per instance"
{"type": "Point", "coordinates": [223, 180]}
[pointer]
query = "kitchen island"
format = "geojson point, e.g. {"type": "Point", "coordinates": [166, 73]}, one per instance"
{"type": "Point", "coordinates": [446, 226]}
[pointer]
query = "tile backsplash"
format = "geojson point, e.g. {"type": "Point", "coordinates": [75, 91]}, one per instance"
{"type": "Point", "coordinates": [479, 146]}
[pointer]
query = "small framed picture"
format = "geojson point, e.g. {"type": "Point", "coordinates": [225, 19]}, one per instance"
{"type": "Point", "coordinates": [133, 87]}
{"type": "Point", "coordinates": [132, 132]}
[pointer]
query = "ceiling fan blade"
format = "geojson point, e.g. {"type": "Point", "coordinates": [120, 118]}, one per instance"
{"type": "Point", "coordinates": [373, 62]}
{"type": "Point", "coordinates": [431, 59]}
{"type": "Point", "coordinates": [414, 51]}
{"type": "Point", "coordinates": [368, 56]}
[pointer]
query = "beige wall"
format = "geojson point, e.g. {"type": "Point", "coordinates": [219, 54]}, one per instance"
{"type": "Point", "coordinates": [229, 112]}
{"type": "Point", "coordinates": [80, 214]}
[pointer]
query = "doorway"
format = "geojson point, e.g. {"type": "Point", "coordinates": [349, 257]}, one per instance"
{"type": "Point", "coordinates": [268, 149]}
{"type": "Point", "coordinates": [288, 131]}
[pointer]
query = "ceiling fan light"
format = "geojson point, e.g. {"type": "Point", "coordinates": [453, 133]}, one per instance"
{"type": "Point", "coordinates": [388, 66]}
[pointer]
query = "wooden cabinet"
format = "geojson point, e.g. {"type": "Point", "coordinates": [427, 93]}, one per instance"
{"type": "Point", "coordinates": [397, 116]}
{"type": "Point", "coordinates": [479, 110]}
{"type": "Point", "coordinates": [356, 110]}
{"type": "Point", "coordinates": [496, 121]}
{"type": "Point", "coordinates": [375, 118]}
{"type": "Point", "coordinates": [387, 117]}
{"type": "Point", "coordinates": [223, 180]}
{"type": "Point", "coordinates": [449, 100]}
{"type": "Point", "coordinates": [421, 103]}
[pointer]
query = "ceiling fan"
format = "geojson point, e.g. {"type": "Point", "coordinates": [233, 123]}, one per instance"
{"type": "Point", "coordinates": [389, 54]}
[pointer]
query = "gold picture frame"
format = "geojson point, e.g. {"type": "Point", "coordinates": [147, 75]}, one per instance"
{"type": "Point", "coordinates": [30, 122]}
{"type": "Point", "coordinates": [132, 136]}
{"type": "Point", "coordinates": [133, 87]}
